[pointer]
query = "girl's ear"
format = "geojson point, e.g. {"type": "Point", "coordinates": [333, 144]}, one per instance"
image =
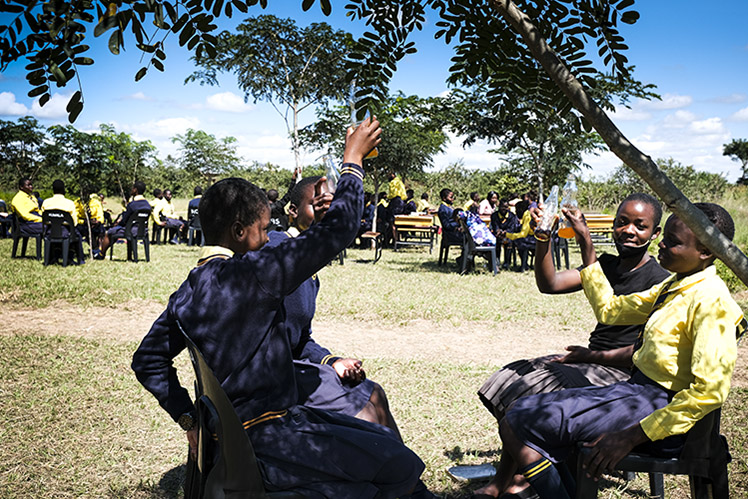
{"type": "Point", "coordinates": [237, 231]}
{"type": "Point", "coordinates": [656, 233]}
{"type": "Point", "coordinates": [293, 210]}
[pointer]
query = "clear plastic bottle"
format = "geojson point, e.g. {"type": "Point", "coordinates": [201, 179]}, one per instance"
{"type": "Point", "coordinates": [569, 201]}
{"type": "Point", "coordinates": [550, 211]}
{"type": "Point", "coordinates": [332, 173]}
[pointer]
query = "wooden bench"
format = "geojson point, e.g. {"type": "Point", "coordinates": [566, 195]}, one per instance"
{"type": "Point", "coordinates": [376, 241]}
{"type": "Point", "coordinates": [601, 228]}
{"type": "Point", "coordinates": [414, 230]}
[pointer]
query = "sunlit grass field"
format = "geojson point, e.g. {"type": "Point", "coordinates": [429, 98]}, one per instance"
{"type": "Point", "coordinates": [74, 422]}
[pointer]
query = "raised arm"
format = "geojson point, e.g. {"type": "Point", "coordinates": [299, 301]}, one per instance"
{"type": "Point", "coordinates": [286, 266]}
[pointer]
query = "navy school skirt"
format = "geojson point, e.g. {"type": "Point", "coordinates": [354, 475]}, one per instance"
{"type": "Point", "coordinates": [320, 454]}
{"type": "Point", "coordinates": [320, 387]}
{"type": "Point", "coordinates": [553, 423]}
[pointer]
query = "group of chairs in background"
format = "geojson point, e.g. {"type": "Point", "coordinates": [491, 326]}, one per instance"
{"type": "Point", "coordinates": [61, 235]}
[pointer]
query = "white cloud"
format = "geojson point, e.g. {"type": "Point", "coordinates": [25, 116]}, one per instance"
{"type": "Point", "coordinates": [669, 101]}
{"type": "Point", "coordinates": [741, 115]}
{"type": "Point", "coordinates": [9, 106]}
{"type": "Point", "coordinates": [679, 119]}
{"type": "Point", "coordinates": [731, 99]}
{"type": "Point", "coordinates": [624, 113]}
{"type": "Point", "coordinates": [708, 126]}
{"type": "Point", "coordinates": [54, 108]}
{"type": "Point", "coordinates": [165, 128]}
{"type": "Point", "coordinates": [137, 96]}
{"type": "Point", "coordinates": [228, 102]}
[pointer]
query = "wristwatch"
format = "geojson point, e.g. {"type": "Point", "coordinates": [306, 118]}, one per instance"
{"type": "Point", "coordinates": [187, 421]}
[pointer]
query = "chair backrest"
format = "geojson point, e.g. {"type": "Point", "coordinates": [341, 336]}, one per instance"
{"type": "Point", "coordinates": [230, 465]}
{"type": "Point", "coordinates": [195, 222]}
{"type": "Point", "coordinates": [141, 219]}
{"type": "Point", "coordinates": [55, 220]}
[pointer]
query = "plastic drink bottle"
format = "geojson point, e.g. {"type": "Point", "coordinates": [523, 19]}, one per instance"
{"type": "Point", "coordinates": [569, 202]}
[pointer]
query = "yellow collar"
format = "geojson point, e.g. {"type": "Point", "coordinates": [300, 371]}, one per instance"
{"type": "Point", "coordinates": [208, 253]}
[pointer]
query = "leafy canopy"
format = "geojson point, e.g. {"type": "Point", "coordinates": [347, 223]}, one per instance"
{"type": "Point", "coordinates": [52, 37]}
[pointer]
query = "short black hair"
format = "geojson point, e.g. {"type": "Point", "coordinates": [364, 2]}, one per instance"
{"type": "Point", "coordinates": [58, 187]}
{"type": "Point", "coordinates": [22, 181]}
{"type": "Point", "coordinates": [645, 198]}
{"type": "Point", "coordinates": [532, 195]}
{"type": "Point", "coordinates": [298, 191]}
{"type": "Point", "coordinates": [719, 217]}
{"type": "Point", "coordinates": [272, 195]}
{"type": "Point", "coordinates": [227, 201]}
{"type": "Point", "coordinates": [425, 196]}
{"type": "Point", "coordinates": [522, 207]}
{"type": "Point", "coordinates": [197, 190]}
{"type": "Point", "coordinates": [444, 193]}
{"type": "Point", "coordinates": [491, 194]}
{"type": "Point", "coordinates": [139, 186]}
{"type": "Point", "coordinates": [156, 192]}
{"type": "Point", "coordinates": [410, 193]}
{"type": "Point", "coordinates": [503, 200]}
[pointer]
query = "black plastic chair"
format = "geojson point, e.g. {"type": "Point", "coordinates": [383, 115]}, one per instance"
{"type": "Point", "coordinates": [377, 241]}
{"type": "Point", "coordinates": [226, 466]}
{"type": "Point", "coordinates": [60, 229]}
{"type": "Point", "coordinates": [139, 222]}
{"type": "Point", "coordinates": [19, 237]}
{"type": "Point", "coordinates": [470, 249]}
{"type": "Point", "coordinates": [195, 227]}
{"type": "Point", "coordinates": [444, 246]}
{"type": "Point", "coordinates": [704, 459]}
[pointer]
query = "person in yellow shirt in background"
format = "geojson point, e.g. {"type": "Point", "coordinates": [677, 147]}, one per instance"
{"type": "Point", "coordinates": [422, 205]}
{"type": "Point", "coordinates": [473, 203]}
{"type": "Point", "coordinates": [95, 211]}
{"type": "Point", "coordinates": [26, 208]}
{"type": "Point", "coordinates": [157, 208]}
{"type": "Point", "coordinates": [58, 201]}
{"type": "Point", "coordinates": [684, 361]}
{"type": "Point", "coordinates": [171, 221]}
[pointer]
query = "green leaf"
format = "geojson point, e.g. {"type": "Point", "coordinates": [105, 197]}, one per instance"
{"type": "Point", "coordinates": [630, 17]}
{"type": "Point", "coordinates": [38, 91]}
{"type": "Point", "coordinates": [326, 7]}
{"type": "Point", "coordinates": [307, 4]}
{"type": "Point", "coordinates": [44, 99]}
{"type": "Point", "coordinates": [140, 74]}
{"type": "Point", "coordinates": [114, 42]}
{"type": "Point", "coordinates": [158, 64]}
{"type": "Point", "coordinates": [83, 61]}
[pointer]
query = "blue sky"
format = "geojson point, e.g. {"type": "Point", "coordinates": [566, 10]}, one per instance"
{"type": "Point", "coordinates": [697, 56]}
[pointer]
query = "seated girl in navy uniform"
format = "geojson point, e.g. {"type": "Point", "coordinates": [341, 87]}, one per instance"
{"type": "Point", "coordinates": [231, 306]}
{"type": "Point", "coordinates": [324, 381]}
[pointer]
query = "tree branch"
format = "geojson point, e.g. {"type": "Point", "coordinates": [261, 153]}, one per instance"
{"type": "Point", "coordinates": [642, 164]}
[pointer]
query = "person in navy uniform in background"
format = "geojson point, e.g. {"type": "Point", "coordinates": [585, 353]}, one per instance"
{"type": "Point", "coordinates": [231, 306]}
{"type": "Point", "coordinates": [138, 204]}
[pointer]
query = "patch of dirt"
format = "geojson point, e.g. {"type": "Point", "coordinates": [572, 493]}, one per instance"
{"type": "Point", "coordinates": [475, 342]}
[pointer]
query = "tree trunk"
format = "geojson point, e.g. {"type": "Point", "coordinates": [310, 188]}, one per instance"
{"type": "Point", "coordinates": [296, 154]}
{"type": "Point", "coordinates": [642, 164]}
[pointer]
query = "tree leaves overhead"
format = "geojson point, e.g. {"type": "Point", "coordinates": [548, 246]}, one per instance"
{"type": "Point", "coordinates": [487, 52]}
{"type": "Point", "coordinates": [51, 35]}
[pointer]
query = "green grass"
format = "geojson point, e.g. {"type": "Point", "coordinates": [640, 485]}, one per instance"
{"type": "Point", "coordinates": [75, 423]}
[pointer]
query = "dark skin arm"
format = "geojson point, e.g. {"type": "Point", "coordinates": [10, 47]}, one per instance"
{"type": "Point", "coordinates": [609, 448]}
{"type": "Point", "coordinates": [546, 278]}
{"type": "Point", "coordinates": [619, 357]}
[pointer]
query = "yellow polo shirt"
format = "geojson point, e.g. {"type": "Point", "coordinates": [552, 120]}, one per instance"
{"type": "Point", "coordinates": [60, 202]}
{"type": "Point", "coordinates": [26, 207]}
{"type": "Point", "coordinates": [689, 344]}
{"type": "Point", "coordinates": [157, 208]}
{"type": "Point", "coordinates": [422, 205]}
{"type": "Point", "coordinates": [525, 230]}
{"type": "Point", "coordinates": [396, 188]}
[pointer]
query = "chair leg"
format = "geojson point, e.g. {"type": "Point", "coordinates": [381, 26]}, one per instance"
{"type": "Point", "coordinates": [586, 486]}
{"type": "Point", "coordinates": [47, 248]}
{"type": "Point", "coordinates": [38, 248]}
{"type": "Point", "coordinates": [134, 244]}
{"type": "Point", "coordinates": [23, 247]}
{"type": "Point", "coordinates": [65, 251]}
{"type": "Point", "coordinates": [494, 261]}
{"type": "Point", "coordinates": [656, 486]}
{"type": "Point", "coordinates": [147, 250]}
